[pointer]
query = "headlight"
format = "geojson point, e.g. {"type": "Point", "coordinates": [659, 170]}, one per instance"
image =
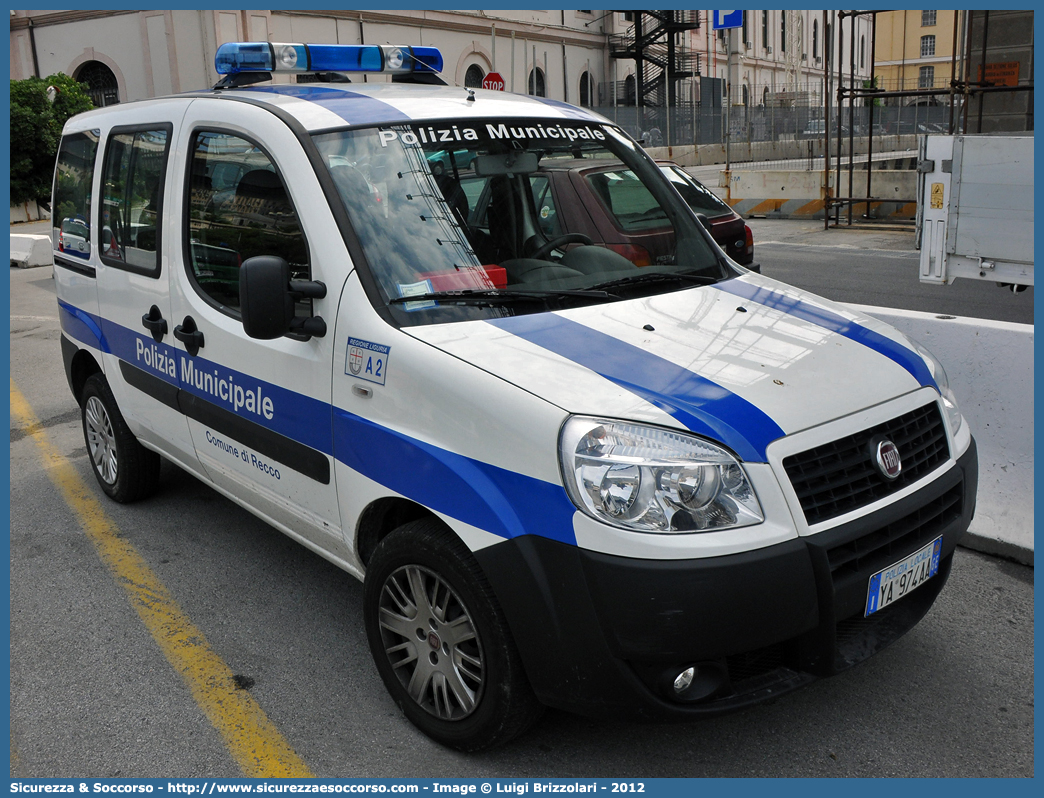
{"type": "Point", "coordinates": [654, 480]}
{"type": "Point", "coordinates": [939, 375]}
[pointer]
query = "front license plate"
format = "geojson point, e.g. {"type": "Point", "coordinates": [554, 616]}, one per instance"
{"type": "Point", "coordinates": [895, 581]}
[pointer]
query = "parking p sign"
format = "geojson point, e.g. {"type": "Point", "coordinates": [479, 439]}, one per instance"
{"type": "Point", "coordinates": [727, 19]}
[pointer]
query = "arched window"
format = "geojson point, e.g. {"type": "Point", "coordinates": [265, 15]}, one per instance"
{"type": "Point", "coordinates": [103, 88]}
{"type": "Point", "coordinates": [815, 39]}
{"type": "Point", "coordinates": [585, 89]}
{"type": "Point", "coordinates": [764, 97]}
{"type": "Point", "coordinates": [746, 95]}
{"type": "Point", "coordinates": [473, 77]}
{"type": "Point", "coordinates": [862, 51]}
{"type": "Point", "coordinates": [536, 83]}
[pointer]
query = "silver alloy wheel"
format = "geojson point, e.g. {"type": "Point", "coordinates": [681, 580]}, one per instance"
{"type": "Point", "coordinates": [431, 643]}
{"type": "Point", "coordinates": [100, 440]}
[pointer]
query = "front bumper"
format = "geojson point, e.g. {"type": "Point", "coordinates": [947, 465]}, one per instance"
{"type": "Point", "coordinates": [604, 635]}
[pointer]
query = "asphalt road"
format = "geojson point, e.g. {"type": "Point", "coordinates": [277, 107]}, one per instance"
{"type": "Point", "coordinates": [874, 267]}
{"type": "Point", "coordinates": [92, 694]}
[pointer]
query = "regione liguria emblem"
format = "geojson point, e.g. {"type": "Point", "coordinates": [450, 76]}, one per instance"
{"type": "Point", "coordinates": [367, 360]}
{"type": "Point", "coordinates": [355, 359]}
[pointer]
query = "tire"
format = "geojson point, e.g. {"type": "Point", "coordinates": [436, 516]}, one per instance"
{"type": "Point", "coordinates": [440, 641]}
{"type": "Point", "coordinates": [125, 469]}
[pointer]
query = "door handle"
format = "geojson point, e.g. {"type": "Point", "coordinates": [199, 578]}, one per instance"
{"type": "Point", "coordinates": [154, 322]}
{"type": "Point", "coordinates": [190, 335]}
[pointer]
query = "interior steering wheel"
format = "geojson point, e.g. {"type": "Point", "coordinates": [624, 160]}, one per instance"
{"type": "Point", "coordinates": [561, 241]}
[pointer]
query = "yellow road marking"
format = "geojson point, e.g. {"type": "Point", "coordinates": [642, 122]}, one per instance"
{"type": "Point", "coordinates": [252, 739]}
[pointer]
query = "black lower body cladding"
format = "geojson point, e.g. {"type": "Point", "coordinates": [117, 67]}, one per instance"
{"type": "Point", "coordinates": [599, 633]}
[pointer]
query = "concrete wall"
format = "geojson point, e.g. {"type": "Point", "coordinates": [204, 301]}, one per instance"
{"type": "Point", "coordinates": [990, 366]}
{"type": "Point", "coordinates": [28, 212]}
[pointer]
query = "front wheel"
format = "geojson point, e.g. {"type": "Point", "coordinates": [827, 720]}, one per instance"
{"type": "Point", "coordinates": [125, 469]}
{"type": "Point", "coordinates": [440, 642]}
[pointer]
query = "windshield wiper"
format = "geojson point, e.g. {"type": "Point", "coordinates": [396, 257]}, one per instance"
{"type": "Point", "coordinates": [499, 296]}
{"type": "Point", "coordinates": [656, 277]}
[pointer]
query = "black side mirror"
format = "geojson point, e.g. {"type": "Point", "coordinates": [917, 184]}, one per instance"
{"type": "Point", "coordinates": [704, 221]}
{"type": "Point", "coordinates": [264, 297]}
{"type": "Point", "coordinates": [267, 297]}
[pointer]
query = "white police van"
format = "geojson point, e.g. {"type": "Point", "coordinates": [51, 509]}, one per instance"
{"type": "Point", "coordinates": [659, 491]}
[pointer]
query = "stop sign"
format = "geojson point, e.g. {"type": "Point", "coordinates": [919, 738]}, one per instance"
{"type": "Point", "coordinates": [493, 81]}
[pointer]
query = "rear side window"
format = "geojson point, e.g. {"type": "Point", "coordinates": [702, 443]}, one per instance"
{"type": "Point", "coordinates": [73, 175]}
{"type": "Point", "coordinates": [628, 200]}
{"type": "Point", "coordinates": [238, 208]}
{"type": "Point", "coordinates": [132, 201]}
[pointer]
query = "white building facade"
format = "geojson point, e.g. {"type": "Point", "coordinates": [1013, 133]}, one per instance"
{"type": "Point", "coordinates": [131, 55]}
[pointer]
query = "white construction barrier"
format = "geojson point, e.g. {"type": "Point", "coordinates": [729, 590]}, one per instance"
{"type": "Point", "coordinates": [30, 250]}
{"type": "Point", "coordinates": [990, 366]}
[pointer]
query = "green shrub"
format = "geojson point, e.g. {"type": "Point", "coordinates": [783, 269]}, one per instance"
{"type": "Point", "coordinates": [36, 129]}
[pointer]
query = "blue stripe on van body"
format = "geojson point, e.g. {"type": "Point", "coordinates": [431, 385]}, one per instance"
{"type": "Point", "coordinates": [485, 496]}
{"type": "Point", "coordinates": [703, 406]}
{"type": "Point", "coordinates": [503, 502]}
{"type": "Point", "coordinates": [83, 326]}
{"type": "Point", "coordinates": [829, 320]}
{"type": "Point", "coordinates": [296, 416]}
{"type": "Point", "coordinates": [352, 107]}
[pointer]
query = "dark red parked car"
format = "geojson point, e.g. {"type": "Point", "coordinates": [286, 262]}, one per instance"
{"type": "Point", "coordinates": [609, 204]}
{"type": "Point", "coordinates": [726, 226]}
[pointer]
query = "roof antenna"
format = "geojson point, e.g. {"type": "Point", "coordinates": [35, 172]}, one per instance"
{"type": "Point", "coordinates": [471, 95]}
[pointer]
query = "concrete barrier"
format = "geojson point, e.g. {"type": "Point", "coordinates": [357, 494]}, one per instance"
{"type": "Point", "coordinates": [798, 193]}
{"type": "Point", "coordinates": [990, 366]}
{"type": "Point", "coordinates": [787, 193]}
{"type": "Point", "coordinates": [30, 250]}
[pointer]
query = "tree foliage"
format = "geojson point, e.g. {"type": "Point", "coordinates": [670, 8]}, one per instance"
{"type": "Point", "coordinates": [876, 101]}
{"type": "Point", "coordinates": [36, 129]}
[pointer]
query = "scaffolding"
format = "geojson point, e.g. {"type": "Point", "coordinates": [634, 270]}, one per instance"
{"type": "Point", "coordinates": [961, 91]}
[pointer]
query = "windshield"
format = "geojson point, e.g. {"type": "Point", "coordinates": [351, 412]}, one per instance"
{"type": "Point", "coordinates": [462, 220]}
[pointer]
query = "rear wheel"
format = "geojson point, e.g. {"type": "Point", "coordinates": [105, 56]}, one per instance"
{"type": "Point", "coordinates": [125, 469]}
{"type": "Point", "coordinates": [440, 641]}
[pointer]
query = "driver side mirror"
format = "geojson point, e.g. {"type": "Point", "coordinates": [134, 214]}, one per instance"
{"type": "Point", "coordinates": [267, 296]}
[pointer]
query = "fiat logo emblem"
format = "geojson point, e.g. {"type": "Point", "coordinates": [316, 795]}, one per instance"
{"type": "Point", "coordinates": [887, 459]}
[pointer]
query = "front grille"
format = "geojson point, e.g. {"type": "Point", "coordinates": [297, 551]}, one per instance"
{"type": "Point", "coordinates": [890, 543]}
{"type": "Point", "coordinates": [840, 476]}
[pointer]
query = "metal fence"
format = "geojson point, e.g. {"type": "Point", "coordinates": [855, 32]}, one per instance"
{"type": "Point", "coordinates": [695, 124]}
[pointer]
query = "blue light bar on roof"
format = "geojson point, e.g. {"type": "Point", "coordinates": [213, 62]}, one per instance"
{"type": "Point", "coordinates": [234, 57]}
